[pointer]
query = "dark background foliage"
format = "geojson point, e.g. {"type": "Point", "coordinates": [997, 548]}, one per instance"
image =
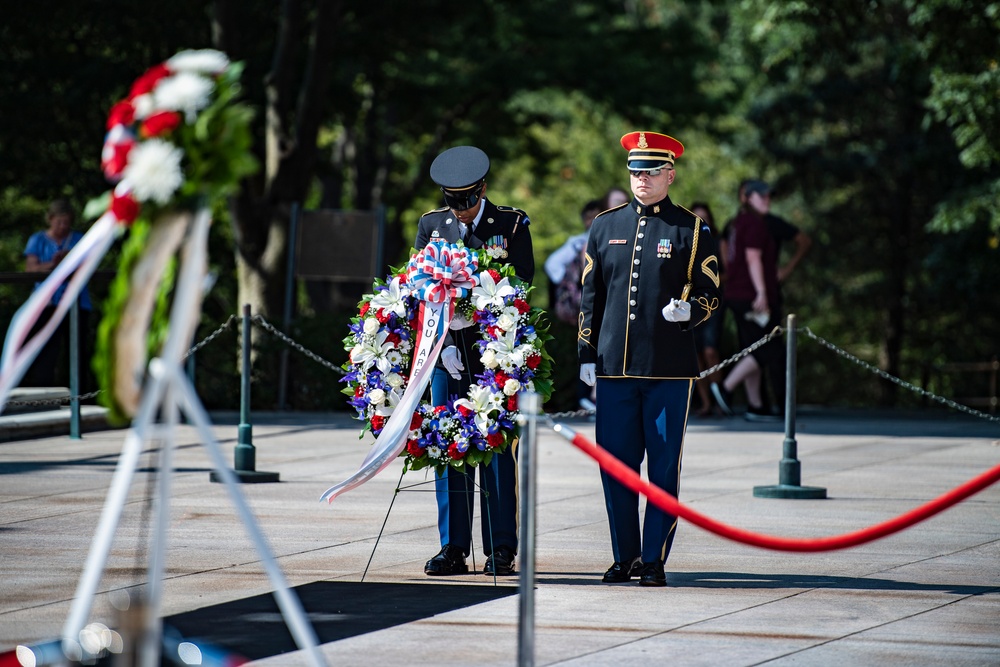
{"type": "Point", "coordinates": [878, 123]}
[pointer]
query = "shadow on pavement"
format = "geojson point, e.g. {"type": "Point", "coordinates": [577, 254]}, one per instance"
{"type": "Point", "coordinates": [255, 628]}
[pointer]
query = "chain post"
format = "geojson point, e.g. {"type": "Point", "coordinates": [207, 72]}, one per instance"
{"type": "Point", "coordinates": [74, 371]}
{"type": "Point", "coordinates": [790, 469]}
{"type": "Point", "coordinates": [245, 455]}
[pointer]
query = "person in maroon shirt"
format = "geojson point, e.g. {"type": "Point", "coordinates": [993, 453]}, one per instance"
{"type": "Point", "coordinates": [752, 293]}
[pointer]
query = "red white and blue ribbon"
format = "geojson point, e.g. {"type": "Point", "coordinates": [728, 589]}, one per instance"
{"type": "Point", "coordinates": [438, 275]}
{"type": "Point", "coordinates": [442, 271]}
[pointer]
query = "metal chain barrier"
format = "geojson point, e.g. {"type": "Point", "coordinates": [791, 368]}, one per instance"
{"type": "Point", "coordinates": [892, 378]}
{"type": "Point", "coordinates": [83, 397]}
{"type": "Point", "coordinates": [268, 327]}
{"type": "Point", "coordinates": [210, 337]}
{"type": "Point", "coordinates": [777, 331]}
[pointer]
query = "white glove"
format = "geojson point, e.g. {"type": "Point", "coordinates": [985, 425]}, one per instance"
{"type": "Point", "coordinates": [677, 311]}
{"type": "Point", "coordinates": [459, 322]}
{"type": "Point", "coordinates": [452, 361]}
{"type": "Point", "coordinates": [588, 373]}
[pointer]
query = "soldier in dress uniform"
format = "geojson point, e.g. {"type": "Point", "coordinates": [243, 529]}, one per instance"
{"type": "Point", "coordinates": [651, 276]}
{"type": "Point", "coordinates": [503, 232]}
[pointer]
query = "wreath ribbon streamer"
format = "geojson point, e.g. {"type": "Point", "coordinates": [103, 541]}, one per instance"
{"type": "Point", "coordinates": [75, 271]}
{"type": "Point", "coordinates": [439, 274]}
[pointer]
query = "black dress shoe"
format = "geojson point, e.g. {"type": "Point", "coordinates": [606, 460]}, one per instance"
{"type": "Point", "coordinates": [500, 562]}
{"type": "Point", "coordinates": [450, 560]}
{"type": "Point", "coordinates": [652, 574]}
{"type": "Point", "coordinates": [621, 572]}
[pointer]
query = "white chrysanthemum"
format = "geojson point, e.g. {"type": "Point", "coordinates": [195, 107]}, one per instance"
{"type": "Point", "coordinates": [435, 452]}
{"type": "Point", "coordinates": [200, 60]}
{"type": "Point", "coordinates": [144, 105]}
{"type": "Point", "coordinates": [154, 171]}
{"type": "Point", "coordinates": [186, 92]}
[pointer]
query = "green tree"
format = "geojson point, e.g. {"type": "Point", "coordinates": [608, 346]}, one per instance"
{"type": "Point", "coordinates": [842, 97]}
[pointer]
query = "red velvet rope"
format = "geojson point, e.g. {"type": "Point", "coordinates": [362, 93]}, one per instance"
{"type": "Point", "coordinates": [670, 504]}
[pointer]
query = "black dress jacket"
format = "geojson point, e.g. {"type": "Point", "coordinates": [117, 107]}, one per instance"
{"type": "Point", "coordinates": [503, 230]}
{"type": "Point", "coordinates": [638, 258]}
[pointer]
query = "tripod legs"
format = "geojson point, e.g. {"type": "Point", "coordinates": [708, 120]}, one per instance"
{"type": "Point", "coordinates": [169, 388]}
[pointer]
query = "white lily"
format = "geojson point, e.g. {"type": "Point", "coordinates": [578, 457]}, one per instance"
{"type": "Point", "coordinates": [373, 351]}
{"type": "Point", "coordinates": [489, 292]}
{"type": "Point", "coordinates": [504, 347]}
{"type": "Point", "coordinates": [481, 401]}
{"type": "Point", "coordinates": [391, 298]}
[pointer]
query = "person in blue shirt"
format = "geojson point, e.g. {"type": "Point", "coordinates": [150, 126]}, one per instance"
{"type": "Point", "coordinates": [42, 254]}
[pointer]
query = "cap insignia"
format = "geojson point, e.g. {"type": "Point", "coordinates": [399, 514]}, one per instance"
{"type": "Point", "coordinates": [642, 141]}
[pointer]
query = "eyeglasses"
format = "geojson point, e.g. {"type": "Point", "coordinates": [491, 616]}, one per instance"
{"type": "Point", "coordinates": [636, 173]}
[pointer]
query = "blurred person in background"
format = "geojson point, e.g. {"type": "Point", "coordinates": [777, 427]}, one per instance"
{"type": "Point", "coordinates": [44, 251]}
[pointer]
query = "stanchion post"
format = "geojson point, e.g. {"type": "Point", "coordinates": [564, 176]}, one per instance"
{"type": "Point", "coordinates": [529, 404]}
{"type": "Point", "coordinates": [74, 371]}
{"type": "Point", "coordinates": [245, 456]}
{"type": "Point", "coordinates": [790, 469]}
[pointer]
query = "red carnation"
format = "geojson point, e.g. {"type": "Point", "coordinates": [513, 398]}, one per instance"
{"type": "Point", "coordinates": [454, 452]}
{"type": "Point", "coordinates": [492, 330]}
{"type": "Point", "coordinates": [495, 275]}
{"type": "Point", "coordinates": [439, 409]}
{"type": "Point", "coordinates": [365, 307]}
{"type": "Point", "coordinates": [122, 113]}
{"type": "Point", "coordinates": [160, 123]}
{"type": "Point", "coordinates": [522, 306]}
{"type": "Point", "coordinates": [393, 338]}
{"type": "Point", "coordinates": [358, 391]}
{"type": "Point", "coordinates": [125, 208]}
{"type": "Point", "coordinates": [501, 378]}
{"type": "Point", "coordinates": [416, 421]}
{"type": "Point", "coordinates": [382, 316]}
{"type": "Point", "coordinates": [512, 403]}
{"type": "Point", "coordinates": [402, 278]}
{"type": "Point", "coordinates": [494, 440]}
{"type": "Point", "coordinates": [378, 423]}
{"type": "Point", "coordinates": [114, 157]}
{"type": "Point", "coordinates": [533, 361]}
{"type": "Point", "coordinates": [148, 81]}
{"type": "Point", "coordinates": [414, 449]}
{"type": "Point", "coordinates": [476, 317]}
{"type": "Point", "coordinates": [465, 410]}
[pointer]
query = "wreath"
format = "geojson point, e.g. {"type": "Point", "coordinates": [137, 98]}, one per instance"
{"type": "Point", "coordinates": [180, 141]}
{"type": "Point", "coordinates": [469, 430]}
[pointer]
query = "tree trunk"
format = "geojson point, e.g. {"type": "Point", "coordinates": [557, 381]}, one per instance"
{"type": "Point", "coordinates": [292, 115]}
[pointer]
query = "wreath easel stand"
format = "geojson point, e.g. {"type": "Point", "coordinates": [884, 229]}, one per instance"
{"type": "Point", "coordinates": [168, 391]}
{"type": "Point", "coordinates": [472, 547]}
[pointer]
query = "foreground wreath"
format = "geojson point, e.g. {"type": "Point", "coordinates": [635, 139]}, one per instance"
{"type": "Point", "coordinates": [382, 342]}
